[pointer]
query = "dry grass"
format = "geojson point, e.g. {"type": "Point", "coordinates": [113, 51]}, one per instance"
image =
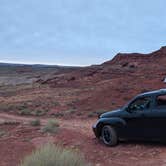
{"type": "Point", "coordinates": [52, 155]}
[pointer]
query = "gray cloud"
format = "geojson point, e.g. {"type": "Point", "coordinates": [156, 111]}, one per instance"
{"type": "Point", "coordinates": [79, 32]}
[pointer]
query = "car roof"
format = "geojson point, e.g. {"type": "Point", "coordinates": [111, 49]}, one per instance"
{"type": "Point", "coordinates": [153, 93]}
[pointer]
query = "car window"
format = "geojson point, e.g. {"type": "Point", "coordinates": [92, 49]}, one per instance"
{"type": "Point", "coordinates": [161, 101]}
{"type": "Point", "coordinates": [140, 104]}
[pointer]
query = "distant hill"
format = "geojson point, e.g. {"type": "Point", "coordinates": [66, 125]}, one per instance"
{"type": "Point", "coordinates": [35, 65]}
{"type": "Point", "coordinates": [16, 74]}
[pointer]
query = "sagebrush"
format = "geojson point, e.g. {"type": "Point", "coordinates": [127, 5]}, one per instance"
{"type": "Point", "coordinates": [53, 155]}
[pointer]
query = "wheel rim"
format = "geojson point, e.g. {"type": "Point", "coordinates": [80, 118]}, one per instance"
{"type": "Point", "coordinates": [106, 135]}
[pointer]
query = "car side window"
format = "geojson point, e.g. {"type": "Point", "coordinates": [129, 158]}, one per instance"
{"type": "Point", "coordinates": [140, 104]}
{"type": "Point", "coordinates": [161, 101]}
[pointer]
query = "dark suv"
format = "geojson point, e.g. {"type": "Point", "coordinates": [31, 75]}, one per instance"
{"type": "Point", "coordinates": [143, 118]}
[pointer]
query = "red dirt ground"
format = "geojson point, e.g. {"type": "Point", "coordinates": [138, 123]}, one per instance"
{"type": "Point", "coordinates": [74, 134]}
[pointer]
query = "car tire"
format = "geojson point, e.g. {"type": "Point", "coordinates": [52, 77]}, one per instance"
{"type": "Point", "coordinates": [109, 135]}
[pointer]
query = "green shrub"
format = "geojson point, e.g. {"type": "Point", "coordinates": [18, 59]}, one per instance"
{"type": "Point", "coordinates": [52, 155]}
{"type": "Point", "coordinates": [35, 122]}
{"type": "Point", "coordinates": [52, 126]}
{"type": "Point", "coordinates": [39, 112]}
{"type": "Point", "coordinates": [25, 112]}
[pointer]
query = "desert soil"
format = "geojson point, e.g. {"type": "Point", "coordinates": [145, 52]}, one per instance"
{"type": "Point", "coordinates": [76, 134]}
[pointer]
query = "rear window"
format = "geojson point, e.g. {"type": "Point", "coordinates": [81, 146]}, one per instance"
{"type": "Point", "coordinates": [161, 100]}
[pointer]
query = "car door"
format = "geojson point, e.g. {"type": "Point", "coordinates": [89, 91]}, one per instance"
{"type": "Point", "coordinates": [159, 117]}
{"type": "Point", "coordinates": [138, 119]}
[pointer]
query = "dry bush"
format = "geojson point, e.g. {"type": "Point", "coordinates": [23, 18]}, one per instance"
{"type": "Point", "coordinates": [52, 126]}
{"type": "Point", "coordinates": [35, 122]}
{"type": "Point", "coordinates": [52, 155]}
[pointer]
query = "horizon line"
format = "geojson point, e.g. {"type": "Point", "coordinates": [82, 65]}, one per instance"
{"type": "Point", "coordinates": [41, 63]}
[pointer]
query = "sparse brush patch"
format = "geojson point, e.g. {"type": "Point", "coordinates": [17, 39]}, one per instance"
{"type": "Point", "coordinates": [58, 114]}
{"type": "Point", "coordinates": [38, 107]}
{"type": "Point", "coordinates": [70, 111]}
{"type": "Point", "coordinates": [64, 113]}
{"type": "Point", "coordinates": [11, 122]}
{"type": "Point", "coordinates": [2, 133]}
{"type": "Point", "coordinates": [39, 112]}
{"type": "Point", "coordinates": [35, 112]}
{"type": "Point", "coordinates": [6, 107]}
{"type": "Point", "coordinates": [52, 126]}
{"type": "Point", "coordinates": [13, 107]}
{"type": "Point", "coordinates": [35, 122]}
{"type": "Point", "coordinates": [25, 112]}
{"type": "Point", "coordinates": [53, 155]}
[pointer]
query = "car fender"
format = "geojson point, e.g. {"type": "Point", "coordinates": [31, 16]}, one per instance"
{"type": "Point", "coordinates": [113, 121]}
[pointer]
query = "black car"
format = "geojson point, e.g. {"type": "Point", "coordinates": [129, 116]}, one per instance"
{"type": "Point", "coordinates": [143, 118]}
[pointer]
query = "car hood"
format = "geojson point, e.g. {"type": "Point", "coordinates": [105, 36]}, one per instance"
{"type": "Point", "coordinates": [114, 113]}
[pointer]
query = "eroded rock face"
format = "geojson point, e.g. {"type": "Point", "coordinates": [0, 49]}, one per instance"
{"type": "Point", "coordinates": [121, 65]}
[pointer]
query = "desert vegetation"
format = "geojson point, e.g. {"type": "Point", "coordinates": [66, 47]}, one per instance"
{"type": "Point", "coordinates": [35, 122]}
{"type": "Point", "coordinates": [52, 126]}
{"type": "Point", "coordinates": [2, 133]}
{"type": "Point", "coordinates": [53, 155]}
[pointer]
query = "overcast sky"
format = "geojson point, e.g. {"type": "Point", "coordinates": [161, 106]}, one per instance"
{"type": "Point", "coordinates": [79, 32]}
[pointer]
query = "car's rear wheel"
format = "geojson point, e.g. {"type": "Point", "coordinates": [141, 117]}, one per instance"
{"type": "Point", "coordinates": [109, 135]}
